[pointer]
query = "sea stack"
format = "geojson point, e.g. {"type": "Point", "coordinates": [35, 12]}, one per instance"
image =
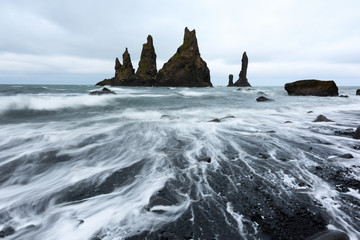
{"type": "Point", "coordinates": [125, 73]}
{"type": "Point", "coordinates": [243, 81]}
{"type": "Point", "coordinates": [146, 72]}
{"type": "Point", "coordinates": [186, 68]}
{"type": "Point", "coordinates": [312, 87]}
{"type": "Point", "coordinates": [231, 83]}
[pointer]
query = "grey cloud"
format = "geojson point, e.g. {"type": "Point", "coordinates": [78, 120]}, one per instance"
{"type": "Point", "coordinates": [285, 31]}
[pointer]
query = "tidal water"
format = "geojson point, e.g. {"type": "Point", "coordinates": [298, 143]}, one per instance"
{"type": "Point", "coordinates": [149, 163]}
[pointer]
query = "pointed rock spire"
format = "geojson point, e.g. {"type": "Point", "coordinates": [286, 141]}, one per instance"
{"type": "Point", "coordinates": [117, 67]}
{"type": "Point", "coordinates": [127, 60]}
{"type": "Point", "coordinates": [186, 68]}
{"type": "Point", "coordinates": [147, 66]}
{"type": "Point", "coordinates": [190, 44]}
{"type": "Point", "coordinates": [243, 81]}
{"type": "Point", "coordinates": [117, 64]}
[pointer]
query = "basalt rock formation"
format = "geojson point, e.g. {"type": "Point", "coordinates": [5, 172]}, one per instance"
{"type": "Point", "coordinates": [242, 81]}
{"type": "Point", "coordinates": [104, 91]}
{"type": "Point", "coordinates": [147, 70]}
{"type": "Point", "coordinates": [312, 87]}
{"type": "Point", "coordinates": [231, 83]}
{"type": "Point", "coordinates": [125, 73]}
{"type": "Point", "coordinates": [186, 68]}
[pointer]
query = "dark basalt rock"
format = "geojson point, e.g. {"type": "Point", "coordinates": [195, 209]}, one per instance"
{"type": "Point", "coordinates": [264, 99]}
{"type": "Point", "coordinates": [215, 120]}
{"type": "Point", "coordinates": [231, 83]}
{"type": "Point", "coordinates": [357, 133]}
{"type": "Point", "coordinates": [329, 235]}
{"type": "Point", "coordinates": [312, 87]}
{"type": "Point", "coordinates": [186, 68]}
{"type": "Point", "coordinates": [346, 133]}
{"type": "Point", "coordinates": [243, 81]}
{"type": "Point", "coordinates": [102, 92]}
{"type": "Point", "coordinates": [7, 231]}
{"type": "Point", "coordinates": [125, 73]}
{"type": "Point", "coordinates": [169, 117]}
{"type": "Point", "coordinates": [322, 118]}
{"type": "Point", "coordinates": [147, 70]}
{"type": "Point", "coordinates": [220, 119]}
{"type": "Point", "coordinates": [358, 92]}
{"type": "Point", "coordinates": [347, 156]}
{"type": "Point", "coordinates": [205, 159]}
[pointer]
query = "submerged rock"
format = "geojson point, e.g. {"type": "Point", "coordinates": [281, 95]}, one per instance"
{"type": "Point", "coordinates": [220, 119]}
{"type": "Point", "coordinates": [169, 117]}
{"type": "Point", "coordinates": [215, 120]}
{"type": "Point", "coordinates": [102, 92]}
{"type": "Point", "coordinates": [322, 118]}
{"type": "Point", "coordinates": [347, 156]}
{"type": "Point", "coordinates": [264, 99]}
{"type": "Point", "coordinates": [357, 133]}
{"type": "Point", "coordinates": [206, 159]}
{"type": "Point", "coordinates": [186, 68]}
{"type": "Point", "coordinates": [7, 231]}
{"type": "Point", "coordinates": [312, 87]}
{"type": "Point", "coordinates": [243, 81]}
{"type": "Point", "coordinates": [329, 235]}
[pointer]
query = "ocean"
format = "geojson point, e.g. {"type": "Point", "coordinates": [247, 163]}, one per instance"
{"type": "Point", "coordinates": [176, 163]}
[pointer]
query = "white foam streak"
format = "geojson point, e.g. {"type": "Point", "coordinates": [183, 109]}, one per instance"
{"type": "Point", "coordinates": [43, 102]}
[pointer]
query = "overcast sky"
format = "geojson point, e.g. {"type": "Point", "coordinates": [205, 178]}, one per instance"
{"type": "Point", "coordinates": [76, 42]}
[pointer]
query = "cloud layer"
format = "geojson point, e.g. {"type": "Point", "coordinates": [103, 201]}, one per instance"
{"type": "Point", "coordinates": [285, 40]}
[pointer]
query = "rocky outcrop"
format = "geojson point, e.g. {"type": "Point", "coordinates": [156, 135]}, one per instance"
{"type": "Point", "coordinates": [231, 83]}
{"type": "Point", "coordinates": [243, 81]}
{"type": "Point", "coordinates": [264, 99]}
{"type": "Point", "coordinates": [146, 72]}
{"type": "Point", "coordinates": [322, 118]}
{"type": "Point", "coordinates": [186, 68]}
{"type": "Point", "coordinates": [103, 91]}
{"type": "Point", "coordinates": [358, 92]}
{"type": "Point", "coordinates": [312, 87]}
{"type": "Point", "coordinates": [124, 73]}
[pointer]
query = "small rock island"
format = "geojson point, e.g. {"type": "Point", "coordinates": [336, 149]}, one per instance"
{"type": "Point", "coordinates": [242, 81]}
{"type": "Point", "coordinates": [185, 69]}
{"type": "Point", "coordinates": [312, 87]}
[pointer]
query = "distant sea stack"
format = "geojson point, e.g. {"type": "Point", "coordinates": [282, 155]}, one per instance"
{"type": "Point", "coordinates": [186, 68]}
{"type": "Point", "coordinates": [242, 81]}
{"type": "Point", "coordinates": [231, 78]}
{"type": "Point", "coordinates": [312, 87]}
{"type": "Point", "coordinates": [125, 73]}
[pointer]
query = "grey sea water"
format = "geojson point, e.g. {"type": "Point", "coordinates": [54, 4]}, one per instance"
{"type": "Point", "coordinates": [148, 163]}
